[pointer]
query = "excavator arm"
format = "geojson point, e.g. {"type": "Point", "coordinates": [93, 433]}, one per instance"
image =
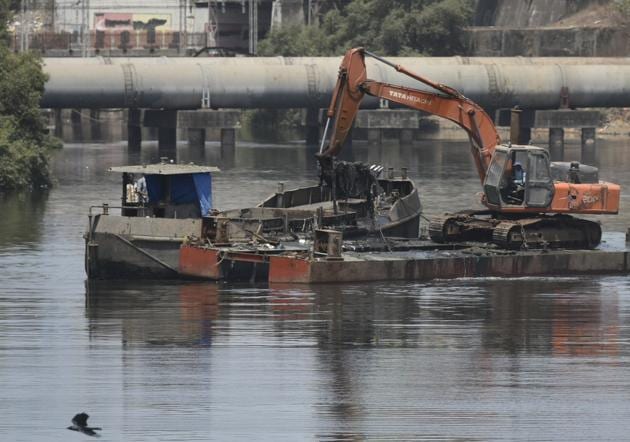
{"type": "Point", "coordinates": [352, 85]}
{"type": "Point", "coordinates": [345, 101]}
{"type": "Point", "coordinates": [529, 201]}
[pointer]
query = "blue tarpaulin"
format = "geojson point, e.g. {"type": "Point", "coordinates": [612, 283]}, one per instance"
{"type": "Point", "coordinates": [154, 188]}
{"type": "Point", "coordinates": [203, 186]}
{"type": "Point", "coordinates": [183, 189]}
{"type": "Point", "coordinates": [186, 188]}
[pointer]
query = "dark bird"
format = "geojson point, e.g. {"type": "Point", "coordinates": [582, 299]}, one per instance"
{"type": "Point", "coordinates": [79, 423]}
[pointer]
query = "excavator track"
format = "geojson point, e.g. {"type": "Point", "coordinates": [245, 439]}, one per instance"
{"type": "Point", "coordinates": [444, 229]}
{"type": "Point", "coordinates": [559, 231]}
{"type": "Point", "coordinates": [555, 232]}
{"type": "Point", "coordinates": [462, 226]}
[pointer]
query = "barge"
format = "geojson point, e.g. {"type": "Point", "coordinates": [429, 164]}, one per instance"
{"type": "Point", "coordinates": [167, 228]}
{"type": "Point", "coordinates": [166, 205]}
{"type": "Point", "coordinates": [328, 260]}
{"type": "Point", "coordinates": [161, 204]}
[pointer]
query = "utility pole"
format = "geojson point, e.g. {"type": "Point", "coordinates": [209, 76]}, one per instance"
{"type": "Point", "coordinates": [52, 16]}
{"type": "Point", "coordinates": [309, 12]}
{"type": "Point", "coordinates": [85, 28]}
{"type": "Point", "coordinates": [182, 21]}
{"type": "Point", "coordinates": [23, 27]}
{"type": "Point", "coordinates": [213, 23]}
{"type": "Point", "coordinates": [253, 26]}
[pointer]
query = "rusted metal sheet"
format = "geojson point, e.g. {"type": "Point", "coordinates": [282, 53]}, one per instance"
{"type": "Point", "coordinates": [199, 262]}
{"type": "Point", "coordinates": [519, 264]}
{"type": "Point", "coordinates": [289, 269]}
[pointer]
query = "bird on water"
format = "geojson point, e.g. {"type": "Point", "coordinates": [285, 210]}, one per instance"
{"type": "Point", "coordinates": [79, 423]}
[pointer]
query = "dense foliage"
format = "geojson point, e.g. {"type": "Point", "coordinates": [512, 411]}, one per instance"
{"type": "Point", "coordinates": [623, 8]}
{"type": "Point", "coordinates": [6, 13]}
{"type": "Point", "coordinates": [24, 143]}
{"type": "Point", "coordinates": [388, 27]}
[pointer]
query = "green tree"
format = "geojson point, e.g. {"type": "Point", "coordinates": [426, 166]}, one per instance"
{"type": "Point", "coordinates": [389, 27]}
{"type": "Point", "coordinates": [24, 143]}
{"type": "Point", "coordinates": [622, 9]}
{"type": "Point", "coordinates": [7, 9]}
{"type": "Point", "coordinates": [437, 28]}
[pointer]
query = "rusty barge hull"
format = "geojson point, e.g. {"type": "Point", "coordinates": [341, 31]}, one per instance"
{"type": "Point", "coordinates": [413, 265]}
{"type": "Point", "coordinates": [360, 268]}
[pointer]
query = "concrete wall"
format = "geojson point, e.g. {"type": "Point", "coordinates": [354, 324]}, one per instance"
{"type": "Point", "coordinates": [527, 13]}
{"type": "Point", "coordinates": [287, 13]}
{"type": "Point", "coordinates": [505, 28]}
{"type": "Point", "coordinates": [548, 42]}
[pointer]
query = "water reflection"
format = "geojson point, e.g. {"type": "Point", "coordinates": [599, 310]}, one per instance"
{"type": "Point", "coordinates": [22, 217]}
{"type": "Point", "coordinates": [153, 313]}
{"type": "Point", "coordinates": [404, 360]}
{"type": "Point", "coordinates": [557, 321]}
{"type": "Point", "coordinates": [505, 316]}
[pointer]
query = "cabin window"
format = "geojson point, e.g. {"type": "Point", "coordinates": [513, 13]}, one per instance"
{"type": "Point", "coordinates": [494, 178]}
{"type": "Point", "coordinates": [540, 168]}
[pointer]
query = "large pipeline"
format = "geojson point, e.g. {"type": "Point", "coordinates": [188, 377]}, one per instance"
{"type": "Point", "coordinates": [279, 82]}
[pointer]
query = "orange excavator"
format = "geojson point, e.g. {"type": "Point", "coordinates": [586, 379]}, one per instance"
{"type": "Point", "coordinates": [529, 199]}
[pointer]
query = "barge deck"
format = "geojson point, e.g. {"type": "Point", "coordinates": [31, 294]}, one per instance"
{"type": "Point", "coordinates": [397, 260]}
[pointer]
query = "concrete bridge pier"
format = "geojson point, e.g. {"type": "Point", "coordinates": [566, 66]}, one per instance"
{"type": "Point", "coordinates": [406, 136]}
{"type": "Point", "coordinates": [376, 121]}
{"type": "Point", "coordinates": [76, 123]}
{"type": "Point", "coordinates": [228, 138]}
{"type": "Point", "coordinates": [58, 117]}
{"type": "Point", "coordinates": [95, 124]}
{"type": "Point", "coordinates": [134, 129]}
{"type": "Point", "coordinates": [166, 123]}
{"type": "Point", "coordinates": [76, 116]}
{"type": "Point", "coordinates": [196, 122]}
{"type": "Point", "coordinates": [556, 121]}
{"type": "Point", "coordinates": [312, 124]}
{"type": "Point", "coordinates": [589, 145]}
{"type": "Point", "coordinates": [197, 138]}
{"type": "Point", "coordinates": [375, 136]}
{"type": "Point", "coordinates": [167, 137]}
{"type": "Point", "coordinates": [556, 143]}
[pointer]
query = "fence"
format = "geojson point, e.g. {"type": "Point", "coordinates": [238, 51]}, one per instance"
{"type": "Point", "coordinates": [118, 41]}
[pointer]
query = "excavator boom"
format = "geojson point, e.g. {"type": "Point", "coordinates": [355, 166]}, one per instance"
{"type": "Point", "coordinates": [463, 112]}
{"type": "Point", "coordinates": [352, 85]}
{"type": "Point", "coordinates": [346, 100]}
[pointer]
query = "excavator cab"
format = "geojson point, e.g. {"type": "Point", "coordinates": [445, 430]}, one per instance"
{"type": "Point", "coordinates": [519, 176]}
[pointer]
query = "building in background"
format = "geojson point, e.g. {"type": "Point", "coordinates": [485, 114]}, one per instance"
{"type": "Point", "coordinates": [110, 27]}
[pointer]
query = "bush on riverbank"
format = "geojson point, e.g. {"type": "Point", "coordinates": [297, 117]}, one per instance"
{"type": "Point", "coordinates": [22, 164]}
{"type": "Point", "coordinates": [24, 143]}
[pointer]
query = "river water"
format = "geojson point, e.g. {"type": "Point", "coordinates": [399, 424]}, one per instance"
{"type": "Point", "coordinates": [467, 359]}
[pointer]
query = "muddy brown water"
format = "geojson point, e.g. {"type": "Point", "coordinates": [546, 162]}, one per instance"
{"type": "Point", "coordinates": [486, 359]}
